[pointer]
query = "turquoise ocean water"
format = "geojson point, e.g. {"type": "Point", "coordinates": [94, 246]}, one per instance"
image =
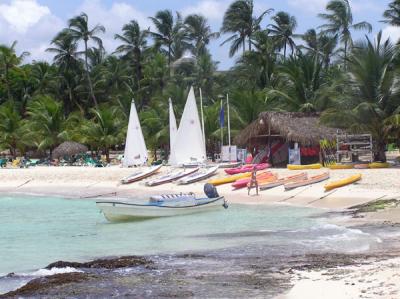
{"type": "Point", "coordinates": [37, 231]}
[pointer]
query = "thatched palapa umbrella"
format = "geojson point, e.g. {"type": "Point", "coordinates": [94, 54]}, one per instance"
{"type": "Point", "coordinates": [69, 148]}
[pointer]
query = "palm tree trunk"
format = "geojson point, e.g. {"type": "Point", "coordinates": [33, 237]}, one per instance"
{"type": "Point", "coordinates": [88, 76]}
{"type": "Point", "coordinates": [7, 83]}
{"type": "Point", "coordinates": [249, 43]}
{"type": "Point", "coordinates": [380, 154]}
{"type": "Point", "coordinates": [169, 55]}
{"type": "Point", "coordinates": [284, 52]}
{"type": "Point", "coordinates": [244, 46]}
{"type": "Point", "coordinates": [345, 55]}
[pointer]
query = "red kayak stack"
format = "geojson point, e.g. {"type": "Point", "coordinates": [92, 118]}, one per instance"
{"type": "Point", "coordinates": [247, 168]}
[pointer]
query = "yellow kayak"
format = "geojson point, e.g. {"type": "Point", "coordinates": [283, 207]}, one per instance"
{"type": "Point", "coordinates": [302, 167]}
{"type": "Point", "coordinates": [378, 165]}
{"type": "Point", "coordinates": [229, 179]}
{"type": "Point", "coordinates": [344, 182]}
{"type": "Point", "coordinates": [341, 166]}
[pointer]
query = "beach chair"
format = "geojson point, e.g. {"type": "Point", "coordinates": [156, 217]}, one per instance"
{"type": "Point", "coordinates": [3, 163]}
{"type": "Point", "coordinates": [16, 163]}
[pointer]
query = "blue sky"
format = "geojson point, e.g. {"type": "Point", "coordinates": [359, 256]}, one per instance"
{"type": "Point", "coordinates": [34, 22]}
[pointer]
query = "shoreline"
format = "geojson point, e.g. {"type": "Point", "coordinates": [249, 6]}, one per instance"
{"type": "Point", "coordinates": [86, 182]}
{"type": "Point", "coordinates": [376, 186]}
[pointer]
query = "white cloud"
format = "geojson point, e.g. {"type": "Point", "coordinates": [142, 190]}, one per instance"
{"type": "Point", "coordinates": [391, 32]}
{"type": "Point", "coordinates": [309, 5]}
{"type": "Point", "coordinates": [212, 9]}
{"type": "Point", "coordinates": [31, 24]}
{"type": "Point", "coordinates": [22, 14]}
{"type": "Point", "coordinates": [112, 18]}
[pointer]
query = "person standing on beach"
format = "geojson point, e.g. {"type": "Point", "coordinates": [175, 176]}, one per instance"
{"type": "Point", "coordinates": [253, 181]}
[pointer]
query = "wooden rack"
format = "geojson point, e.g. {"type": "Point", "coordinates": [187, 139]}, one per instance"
{"type": "Point", "coordinates": [356, 146]}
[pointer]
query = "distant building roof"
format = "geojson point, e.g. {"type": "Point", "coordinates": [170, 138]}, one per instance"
{"type": "Point", "coordinates": [293, 126]}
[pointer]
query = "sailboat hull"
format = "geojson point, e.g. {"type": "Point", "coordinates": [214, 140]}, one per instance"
{"type": "Point", "coordinates": [121, 211]}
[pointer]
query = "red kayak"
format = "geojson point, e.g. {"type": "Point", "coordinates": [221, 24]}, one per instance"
{"type": "Point", "coordinates": [243, 182]}
{"type": "Point", "coordinates": [247, 168]}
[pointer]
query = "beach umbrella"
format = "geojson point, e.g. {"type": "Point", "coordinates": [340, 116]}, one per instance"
{"type": "Point", "coordinates": [69, 148]}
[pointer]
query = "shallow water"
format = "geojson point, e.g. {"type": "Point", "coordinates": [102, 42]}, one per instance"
{"type": "Point", "coordinates": [37, 231]}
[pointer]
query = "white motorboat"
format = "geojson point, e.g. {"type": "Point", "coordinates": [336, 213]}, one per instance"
{"type": "Point", "coordinates": [141, 174]}
{"type": "Point", "coordinates": [162, 206]}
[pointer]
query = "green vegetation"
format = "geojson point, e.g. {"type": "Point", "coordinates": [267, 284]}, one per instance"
{"type": "Point", "coordinates": [84, 94]}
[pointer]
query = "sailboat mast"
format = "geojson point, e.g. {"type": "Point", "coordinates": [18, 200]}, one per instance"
{"type": "Point", "coordinates": [202, 117]}
{"type": "Point", "coordinates": [229, 121]}
{"type": "Point", "coordinates": [222, 129]}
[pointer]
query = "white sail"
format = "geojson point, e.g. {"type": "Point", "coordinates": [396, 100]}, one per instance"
{"type": "Point", "coordinates": [189, 144]}
{"type": "Point", "coordinates": [172, 126]}
{"type": "Point", "coordinates": [135, 147]}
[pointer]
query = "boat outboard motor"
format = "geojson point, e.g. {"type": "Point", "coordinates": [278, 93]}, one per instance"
{"type": "Point", "coordinates": [210, 191]}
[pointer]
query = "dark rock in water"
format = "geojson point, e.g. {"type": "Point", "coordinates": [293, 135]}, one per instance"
{"type": "Point", "coordinates": [44, 284]}
{"type": "Point", "coordinates": [110, 264]}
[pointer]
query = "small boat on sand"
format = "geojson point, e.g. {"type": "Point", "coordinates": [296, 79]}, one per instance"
{"type": "Point", "coordinates": [378, 165]}
{"type": "Point", "coordinates": [229, 164]}
{"type": "Point", "coordinates": [243, 182]}
{"type": "Point", "coordinates": [166, 205]}
{"type": "Point", "coordinates": [200, 175]}
{"type": "Point", "coordinates": [305, 182]}
{"type": "Point", "coordinates": [304, 167]}
{"type": "Point", "coordinates": [170, 177]}
{"type": "Point", "coordinates": [337, 184]}
{"type": "Point", "coordinates": [341, 166]}
{"type": "Point", "coordinates": [265, 185]}
{"type": "Point", "coordinates": [247, 168]}
{"type": "Point", "coordinates": [141, 174]}
{"type": "Point", "coordinates": [229, 179]}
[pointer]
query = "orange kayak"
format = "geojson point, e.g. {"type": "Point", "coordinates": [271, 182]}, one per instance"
{"type": "Point", "coordinates": [270, 179]}
{"type": "Point", "coordinates": [306, 182]}
{"type": "Point", "coordinates": [264, 185]}
{"type": "Point", "coordinates": [243, 182]}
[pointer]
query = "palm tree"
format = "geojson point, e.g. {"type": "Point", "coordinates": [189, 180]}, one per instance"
{"type": "Point", "coordinates": [9, 60]}
{"type": "Point", "coordinates": [45, 123]}
{"type": "Point", "coordinates": [239, 20]}
{"type": "Point", "coordinates": [301, 85]}
{"type": "Point", "coordinates": [392, 14]}
{"type": "Point", "coordinates": [79, 29]}
{"type": "Point", "coordinates": [199, 32]}
{"type": "Point", "coordinates": [283, 31]}
{"type": "Point", "coordinates": [11, 133]}
{"type": "Point", "coordinates": [340, 22]}
{"type": "Point", "coordinates": [321, 45]}
{"type": "Point", "coordinates": [66, 58]}
{"type": "Point", "coordinates": [44, 77]}
{"type": "Point", "coordinates": [134, 43]}
{"type": "Point", "coordinates": [373, 91]}
{"type": "Point", "coordinates": [104, 130]}
{"type": "Point", "coordinates": [169, 31]}
{"type": "Point", "coordinates": [257, 69]}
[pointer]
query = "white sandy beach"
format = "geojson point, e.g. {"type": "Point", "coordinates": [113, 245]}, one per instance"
{"type": "Point", "coordinates": [375, 279]}
{"type": "Point", "coordinates": [85, 182]}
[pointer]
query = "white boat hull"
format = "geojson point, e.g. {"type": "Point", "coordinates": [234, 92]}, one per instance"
{"type": "Point", "coordinates": [123, 211]}
{"type": "Point", "coordinates": [198, 176]}
{"type": "Point", "coordinates": [141, 174]}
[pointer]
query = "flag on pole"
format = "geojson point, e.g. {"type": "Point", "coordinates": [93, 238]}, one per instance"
{"type": "Point", "coordinates": [222, 116]}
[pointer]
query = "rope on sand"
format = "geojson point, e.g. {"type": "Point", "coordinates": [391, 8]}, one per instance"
{"type": "Point", "coordinates": [27, 182]}
{"type": "Point", "coordinates": [99, 195]}
{"type": "Point", "coordinates": [293, 196]}
{"type": "Point", "coordinates": [322, 197]}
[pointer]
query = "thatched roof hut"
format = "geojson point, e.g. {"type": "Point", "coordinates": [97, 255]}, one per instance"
{"type": "Point", "coordinates": [69, 148]}
{"type": "Point", "coordinates": [304, 128]}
